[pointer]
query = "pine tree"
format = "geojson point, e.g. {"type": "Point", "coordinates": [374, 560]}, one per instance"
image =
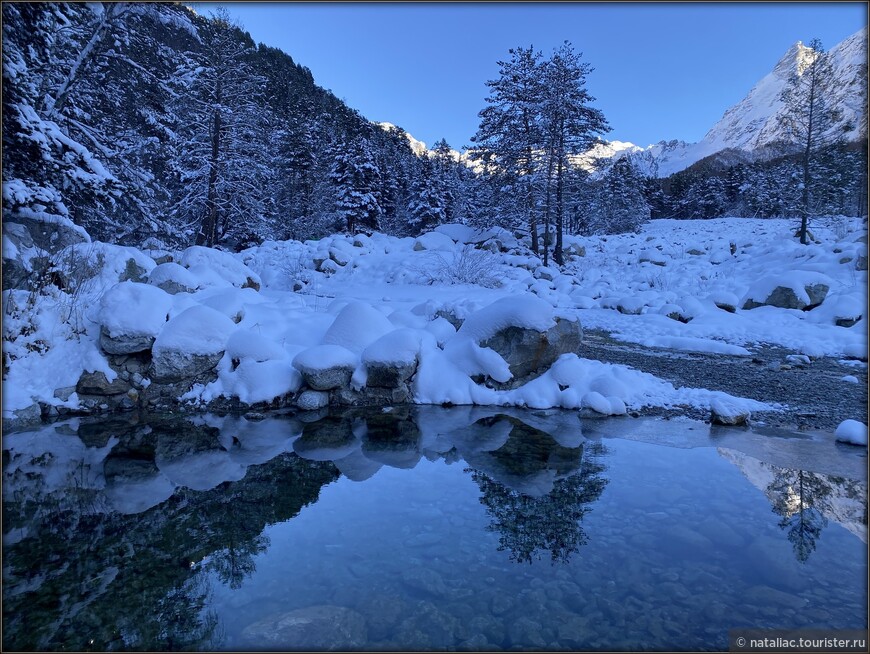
{"type": "Point", "coordinates": [222, 165]}
{"type": "Point", "coordinates": [570, 125]}
{"type": "Point", "coordinates": [807, 117]}
{"type": "Point", "coordinates": [427, 208]}
{"type": "Point", "coordinates": [621, 206]}
{"type": "Point", "coordinates": [510, 129]}
{"type": "Point", "coordinates": [356, 178]}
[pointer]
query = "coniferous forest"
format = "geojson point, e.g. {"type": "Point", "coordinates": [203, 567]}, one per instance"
{"type": "Point", "coordinates": [148, 121]}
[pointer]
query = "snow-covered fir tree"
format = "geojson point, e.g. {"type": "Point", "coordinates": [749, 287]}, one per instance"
{"type": "Point", "coordinates": [356, 179]}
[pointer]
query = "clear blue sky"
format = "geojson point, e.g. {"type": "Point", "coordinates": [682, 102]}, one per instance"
{"type": "Point", "coordinates": [662, 70]}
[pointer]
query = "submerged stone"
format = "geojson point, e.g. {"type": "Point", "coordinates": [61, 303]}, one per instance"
{"type": "Point", "coordinates": [323, 627]}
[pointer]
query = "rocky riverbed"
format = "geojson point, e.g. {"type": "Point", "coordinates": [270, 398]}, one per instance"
{"type": "Point", "coordinates": [812, 391]}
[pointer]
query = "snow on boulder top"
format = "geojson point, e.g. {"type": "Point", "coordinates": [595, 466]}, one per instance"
{"type": "Point", "coordinates": [230, 301]}
{"type": "Point", "coordinates": [397, 347]}
{"type": "Point", "coordinates": [134, 309]}
{"type": "Point", "coordinates": [196, 330]}
{"type": "Point", "coordinates": [324, 357]}
{"type": "Point", "coordinates": [248, 344]}
{"type": "Point", "coordinates": [796, 280]}
{"type": "Point", "coordinates": [171, 272]}
{"type": "Point", "coordinates": [526, 311]}
{"type": "Point", "coordinates": [852, 431]}
{"type": "Point", "coordinates": [223, 264]}
{"type": "Point", "coordinates": [356, 326]}
{"type": "Point", "coordinates": [459, 232]}
{"type": "Point", "coordinates": [434, 241]}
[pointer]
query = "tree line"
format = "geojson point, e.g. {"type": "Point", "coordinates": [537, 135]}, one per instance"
{"type": "Point", "coordinates": [148, 123]}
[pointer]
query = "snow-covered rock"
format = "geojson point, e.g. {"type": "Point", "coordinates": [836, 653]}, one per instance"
{"type": "Point", "coordinates": [513, 339]}
{"type": "Point", "coordinates": [190, 344]}
{"type": "Point", "coordinates": [392, 359]}
{"type": "Point", "coordinates": [852, 431]}
{"type": "Point", "coordinates": [216, 268]}
{"type": "Point", "coordinates": [172, 278]}
{"type": "Point", "coordinates": [724, 412]}
{"type": "Point", "coordinates": [131, 315]}
{"type": "Point", "coordinates": [797, 289]}
{"type": "Point", "coordinates": [325, 367]}
{"type": "Point", "coordinates": [434, 241]}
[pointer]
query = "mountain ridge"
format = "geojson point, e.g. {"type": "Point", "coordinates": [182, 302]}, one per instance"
{"type": "Point", "coordinates": [753, 124]}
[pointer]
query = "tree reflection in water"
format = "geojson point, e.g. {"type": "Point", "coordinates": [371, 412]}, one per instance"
{"type": "Point", "coordinates": [531, 523]}
{"type": "Point", "coordinates": [798, 497]}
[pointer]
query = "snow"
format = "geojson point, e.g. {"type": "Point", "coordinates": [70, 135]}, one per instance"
{"type": "Point", "coordinates": [852, 431]}
{"type": "Point", "coordinates": [381, 307]}
{"type": "Point", "coordinates": [396, 347]}
{"type": "Point", "coordinates": [196, 330]}
{"type": "Point", "coordinates": [357, 326]}
{"type": "Point", "coordinates": [134, 309]}
{"type": "Point", "coordinates": [323, 357]}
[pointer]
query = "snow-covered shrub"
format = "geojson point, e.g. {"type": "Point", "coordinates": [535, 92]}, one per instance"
{"type": "Point", "coordinates": [466, 266]}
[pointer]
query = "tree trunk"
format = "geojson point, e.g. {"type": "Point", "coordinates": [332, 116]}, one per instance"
{"type": "Point", "coordinates": [557, 251]}
{"type": "Point", "coordinates": [805, 192]}
{"type": "Point", "coordinates": [548, 208]}
{"type": "Point", "coordinates": [206, 234]}
{"type": "Point", "coordinates": [530, 201]}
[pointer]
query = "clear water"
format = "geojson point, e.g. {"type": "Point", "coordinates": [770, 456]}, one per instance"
{"type": "Point", "coordinates": [425, 529]}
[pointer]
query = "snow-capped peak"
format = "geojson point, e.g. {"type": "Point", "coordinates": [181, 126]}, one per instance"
{"type": "Point", "coordinates": [755, 121]}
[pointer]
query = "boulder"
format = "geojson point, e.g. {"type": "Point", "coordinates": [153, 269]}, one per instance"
{"type": "Point", "coordinates": [170, 365]}
{"type": "Point", "coordinates": [861, 262]}
{"type": "Point", "coordinates": [313, 628]}
{"type": "Point", "coordinates": [50, 236]}
{"type": "Point", "coordinates": [392, 359]}
{"type": "Point", "coordinates": [172, 278]}
{"type": "Point", "coordinates": [325, 367]}
{"type": "Point", "coordinates": [726, 413]}
{"type": "Point", "coordinates": [372, 396]}
{"type": "Point", "coordinates": [450, 316]}
{"type": "Point", "coordinates": [575, 250]}
{"type": "Point", "coordinates": [96, 383]}
{"type": "Point", "coordinates": [785, 297]}
{"type": "Point", "coordinates": [529, 353]}
{"type": "Point", "coordinates": [131, 315]}
{"type": "Point", "coordinates": [125, 343]}
{"type": "Point", "coordinates": [312, 400]}
{"type": "Point", "coordinates": [389, 375]}
{"type": "Point", "coordinates": [190, 344]}
{"type": "Point", "coordinates": [133, 272]}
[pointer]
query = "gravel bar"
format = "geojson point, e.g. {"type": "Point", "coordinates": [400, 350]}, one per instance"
{"type": "Point", "coordinates": [815, 395]}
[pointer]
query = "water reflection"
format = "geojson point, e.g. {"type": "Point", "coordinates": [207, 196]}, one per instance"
{"type": "Point", "coordinates": [113, 530]}
{"type": "Point", "coordinates": [106, 540]}
{"type": "Point", "coordinates": [536, 491]}
{"type": "Point", "coordinates": [806, 501]}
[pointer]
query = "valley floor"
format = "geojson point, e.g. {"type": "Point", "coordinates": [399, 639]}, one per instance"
{"type": "Point", "coordinates": [803, 391]}
{"type": "Point", "coordinates": [729, 315]}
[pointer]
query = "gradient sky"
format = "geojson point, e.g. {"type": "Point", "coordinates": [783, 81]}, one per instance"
{"type": "Point", "coordinates": [661, 70]}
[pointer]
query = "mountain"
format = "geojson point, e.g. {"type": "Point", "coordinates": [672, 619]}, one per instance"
{"type": "Point", "coordinates": [753, 124]}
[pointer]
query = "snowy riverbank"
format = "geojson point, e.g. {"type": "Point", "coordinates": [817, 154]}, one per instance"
{"type": "Point", "coordinates": [449, 317]}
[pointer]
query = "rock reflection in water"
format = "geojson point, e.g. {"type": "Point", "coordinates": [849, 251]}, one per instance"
{"type": "Point", "coordinates": [107, 545]}
{"type": "Point", "coordinates": [148, 535]}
